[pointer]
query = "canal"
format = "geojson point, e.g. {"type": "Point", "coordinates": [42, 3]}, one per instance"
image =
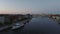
{"type": "Point", "coordinates": [38, 25]}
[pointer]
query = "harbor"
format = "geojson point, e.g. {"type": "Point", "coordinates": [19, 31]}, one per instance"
{"type": "Point", "coordinates": [34, 25]}
{"type": "Point", "coordinates": [40, 25]}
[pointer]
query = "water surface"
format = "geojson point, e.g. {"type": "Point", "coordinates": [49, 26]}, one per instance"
{"type": "Point", "coordinates": [39, 25]}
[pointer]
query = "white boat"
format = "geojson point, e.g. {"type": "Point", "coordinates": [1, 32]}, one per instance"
{"type": "Point", "coordinates": [17, 25]}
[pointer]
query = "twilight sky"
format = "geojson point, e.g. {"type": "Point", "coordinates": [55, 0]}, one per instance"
{"type": "Point", "coordinates": [30, 6]}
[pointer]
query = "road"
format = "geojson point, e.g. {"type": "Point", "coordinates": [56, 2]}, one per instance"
{"type": "Point", "coordinates": [39, 25]}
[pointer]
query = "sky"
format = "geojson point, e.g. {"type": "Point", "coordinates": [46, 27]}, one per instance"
{"type": "Point", "coordinates": [29, 6]}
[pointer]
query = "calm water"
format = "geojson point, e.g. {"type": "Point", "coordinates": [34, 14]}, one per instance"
{"type": "Point", "coordinates": [39, 25]}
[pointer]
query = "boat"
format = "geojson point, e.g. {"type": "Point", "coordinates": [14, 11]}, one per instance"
{"type": "Point", "coordinates": [17, 25]}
